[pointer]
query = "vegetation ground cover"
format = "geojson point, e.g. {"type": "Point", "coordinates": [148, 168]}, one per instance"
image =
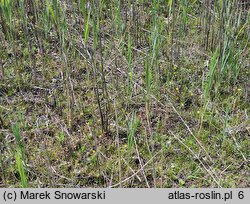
{"type": "Point", "coordinates": [121, 93]}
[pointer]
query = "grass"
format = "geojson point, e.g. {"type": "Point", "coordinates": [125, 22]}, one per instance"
{"type": "Point", "coordinates": [21, 170]}
{"type": "Point", "coordinates": [124, 94]}
{"type": "Point", "coordinates": [19, 154]}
